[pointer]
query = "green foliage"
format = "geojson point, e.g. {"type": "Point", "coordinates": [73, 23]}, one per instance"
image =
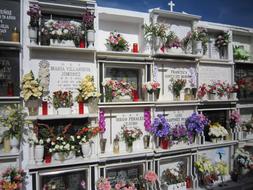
{"type": "Point", "coordinates": [155, 31]}
{"type": "Point", "coordinates": [240, 53]}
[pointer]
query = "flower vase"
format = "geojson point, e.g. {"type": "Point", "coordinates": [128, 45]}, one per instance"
{"type": "Point", "coordinates": [33, 106]}
{"type": "Point", "coordinates": [93, 105]}
{"type": "Point", "coordinates": [197, 48]}
{"type": "Point", "coordinates": [14, 142]}
{"type": "Point", "coordinates": [86, 149]}
{"type": "Point", "coordinates": [176, 96]}
{"type": "Point", "coordinates": [31, 154]}
{"type": "Point", "coordinates": [91, 38]}
{"type": "Point", "coordinates": [62, 156]}
{"type": "Point", "coordinates": [116, 146]}
{"type": "Point", "coordinates": [146, 141]}
{"type": "Point", "coordinates": [6, 145]}
{"type": "Point", "coordinates": [39, 153]}
{"type": "Point", "coordinates": [233, 96]}
{"type": "Point", "coordinates": [129, 147]}
{"type": "Point", "coordinates": [194, 93]}
{"type": "Point", "coordinates": [164, 143]}
{"type": "Point", "coordinates": [64, 111]}
{"type": "Point", "coordinates": [211, 96]}
{"type": "Point", "coordinates": [223, 52]}
{"type": "Point", "coordinates": [82, 44]}
{"type": "Point", "coordinates": [102, 145]}
{"type": "Point", "coordinates": [33, 35]}
{"type": "Point", "coordinates": [81, 107]}
{"type": "Point", "coordinates": [108, 94]}
{"type": "Point", "coordinates": [157, 94]}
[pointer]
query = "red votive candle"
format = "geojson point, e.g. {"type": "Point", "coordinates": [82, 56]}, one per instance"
{"type": "Point", "coordinates": [44, 108]}
{"type": "Point", "coordinates": [81, 107]}
{"type": "Point", "coordinates": [10, 91]}
{"type": "Point", "coordinates": [135, 48]}
{"type": "Point", "coordinates": [82, 44]}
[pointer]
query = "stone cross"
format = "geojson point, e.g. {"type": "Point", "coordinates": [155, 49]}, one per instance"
{"type": "Point", "coordinates": [171, 5]}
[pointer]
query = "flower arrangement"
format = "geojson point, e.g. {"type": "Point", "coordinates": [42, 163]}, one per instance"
{"type": "Point", "coordinates": [218, 87]}
{"type": "Point", "coordinates": [177, 86]}
{"type": "Point", "coordinates": [34, 13]}
{"type": "Point", "coordinates": [125, 185]}
{"type": "Point", "coordinates": [153, 31]}
{"type": "Point", "coordinates": [88, 19]}
{"type": "Point", "coordinates": [103, 184]}
{"type": "Point", "coordinates": [147, 119]}
{"type": "Point", "coordinates": [130, 134]}
{"type": "Point", "coordinates": [31, 88]}
{"type": "Point", "coordinates": [217, 131]}
{"type": "Point", "coordinates": [206, 171]}
{"type": "Point", "coordinates": [185, 42]}
{"type": "Point", "coordinates": [86, 133]}
{"type": "Point", "coordinates": [196, 123]}
{"type": "Point", "coordinates": [241, 83]}
{"type": "Point", "coordinates": [174, 175]}
{"type": "Point", "coordinates": [87, 89]}
{"type": "Point", "coordinates": [200, 34]}
{"type": "Point", "coordinates": [240, 53]}
{"type": "Point", "coordinates": [63, 144]}
{"type": "Point", "coordinates": [33, 139]}
{"type": "Point", "coordinates": [116, 88]}
{"type": "Point", "coordinates": [202, 90]}
{"type": "Point", "coordinates": [151, 86]}
{"type": "Point", "coordinates": [243, 158]}
{"type": "Point", "coordinates": [150, 177]}
{"type": "Point", "coordinates": [221, 167]}
{"type": "Point", "coordinates": [172, 41]}
{"type": "Point", "coordinates": [160, 126]}
{"type": "Point", "coordinates": [117, 42]}
{"type": "Point", "coordinates": [222, 40]}
{"type": "Point", "coordinates": [234, 88]}
{"type": "Point", "coordinates": [180, 133]}
{"type": "Point", "coordinates": [62, 99]}
{"type": "Point", "coordinates": [234, 118]}
{"type": "Point", "coordinates": [12, 178]}
{"type": "Point", "coordinates": [13, 118]}
{"type": "Point", "coordinates": [62, 30]}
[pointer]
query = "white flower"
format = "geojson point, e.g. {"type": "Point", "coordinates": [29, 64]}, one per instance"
{"type": "Point", "coordinates": [64, 143]}
{"type": "Point", "coordinates": [59, 32]}
{"type": "Point", "coordinates": [78, 137]}
{"type": "Point", "coordinates": [61, 138]}
{"type": "Point", "coordinates": [50, 150]}
{"type": "Point", "coordinates": [65, 31]}
{"type": "Point", "coordinates": [58, 138]}
{"type": "Point", "coordinates": [72, 147]}
{"type": "Point", "coordinates": [48, 140]}
{"type": "Point", "coordinates": [72, 138]}
{"type": "Point", "coordinates": [61, 147]}
{"type": "Point", "coordinates": [52, 143]}
{"type": "Point", "coordinates": [41, 142]}
{"type": "Point", "coordinates": [57, 146]}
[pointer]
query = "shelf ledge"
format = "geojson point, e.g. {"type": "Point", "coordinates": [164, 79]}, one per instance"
{"type": "Point", "coordinates": [59, 48]}
{"type": "Point", "coordinates": [57, 117]}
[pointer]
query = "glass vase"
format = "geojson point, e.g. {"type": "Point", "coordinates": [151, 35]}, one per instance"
{"type": "Point", "coordinates": [102, 145]}
{"type": "Point", "coordinates": [6, 145]}
{"type": "Point", "coordinates": [116, 146]}
{"type": "Point", "coordinates": [146, 140]}
{"type": "Point", "coordinates": [129, 147]}
{"type": "Point", "coordinates": [33, 106]}
{"type": "Point", "coordinates": [93, 105]}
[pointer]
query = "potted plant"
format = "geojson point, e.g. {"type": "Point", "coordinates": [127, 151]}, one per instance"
{"type": "Point", "coordinates": [13, 118]}
{"type": "Point", "coordinates": [151, 87]}
{"type": "Point", "coordinates": [221, 42]}
{"type": "Point", "coordinates": [116, 42]}
{"type": "Point", "coordinates": [88, 94]}
{"type": "Point", "coordinates": [212, 91]}
{"type": "Point", "coordinates": [12, 178]}
{"type": "Point", "coordinates": [172, 43]}
{"type": "Point", "coordinates": [161, 129]}
{"type": "Point", "coordinates": [217, 132]}
{"type": "Point", "coordinates": [31, 92]}
{"type": "Point", "coordinates": [232, 91]}
{"type": "Point", "coordinates": [240, 53]}
{"type": "Point", "coordinates": [243, 161]}
{"type": "Point", "coordinates": [62, 102]}
{"type": "Point", "coordinates": [84, 136]}
{"type": "Point", "coordinates": [195, 125]}
{"type": "Point", "coordinates": [103, 184]}
{"type": "Point", "coordinates": [199, 41]}
{"type": "Point", "coordinates": [34, 13]}
{"type": "Point", "coordinates": [88, 21]}
{"type": "Point", "coordinates": [177, 87]}
{"type": "Point", "coordinates": [156, 34]}
{"type": "Point", "coordinates": [63, 147]}
{"type": "Point", "coordinates": [129, 135]}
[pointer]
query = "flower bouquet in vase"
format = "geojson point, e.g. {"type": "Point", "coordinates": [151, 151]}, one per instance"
{"type": "Point", "coordinates": [62, 102]}
{"type": "Point", "coordinates": [233, 90]}
{"type": "Point", "coordinates": [221, 42]}
{"type": "Point", "coordinates": [202, 91]}
{"type": "Point", "coordinates": [217, 132]}
{"type": "Point", "coordinates": [221, 90]}
{"type": "Point", "coordinates": [88, 94]}
{"type": "Point", "coordinates": [195, 125]}
{"type": "Point", "coordinates": [177, 87]}
{"type": "Point", "coordinates": [173, 44]}
{"type": "Point", "coordinates": [161, 129]}
{"type": "Point", "coordinates": [31, 92]}
{"type": "Point", "coordinates": [180, 136]}
{"type": "Point", "coordinates": [150, 89]}
{"type": "Point", "coordinates": [63, 148]}
{"type": "Point", "coordinates": [34, 13]}
{"type": "Point", "coordinates": [84, 136]}
{"type": "Point", "coordinates": [129, 135]}
{"type": "Point", "coordinates": [199, 40]}
{"type": "Point", "coordinates": [12, 178]}
{"type": "Point", "coordinates": [174, 178]}
{"type": "Point", "coordinates": [88, 22]}
{"type": "Point", "coordinates": [212, 92]}
{"type": "Point", "coordinates": [116, 42]}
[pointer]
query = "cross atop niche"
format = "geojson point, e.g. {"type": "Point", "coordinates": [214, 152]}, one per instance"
{"type": "Point", "coordinates": [171, 5]}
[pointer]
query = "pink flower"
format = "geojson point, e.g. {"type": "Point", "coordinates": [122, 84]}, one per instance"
{"type": "Point", "coordinates": [150, 176]}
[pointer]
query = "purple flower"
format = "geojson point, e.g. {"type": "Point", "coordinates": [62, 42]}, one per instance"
{"type": "Point", "coordinates": [147, 120]}
{"type": "Point", "coordinates": [179, 131]}
{"type": "Point", "coordinates": [160, 127]}
{"type": "Point", "coordinates": [102, 121]}
{"type": "Point", "coordinates": [196, 123]}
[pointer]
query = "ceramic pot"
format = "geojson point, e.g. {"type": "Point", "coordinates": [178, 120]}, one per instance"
{"type": "Point", "coordinates": [14, 142]}
{"type": "Point", "coordinates": [33, 35]}
{"type": "Point", "coordinates": [39, 153]}
{"type": "Point", "coordinates": [86, 149]}
{"type": "Point", "coordinates": [91, 38]}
